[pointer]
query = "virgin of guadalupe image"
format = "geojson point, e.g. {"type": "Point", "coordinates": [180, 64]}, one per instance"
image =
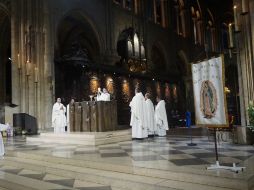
{"type": "Point", "coordinates": [208, 99]}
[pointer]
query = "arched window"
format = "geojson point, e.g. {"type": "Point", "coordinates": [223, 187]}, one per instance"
{"type": "Point", "coordinates": [194, 24]}
{"type": "Point", "coordinates": [159, 10]}
{"type": "Point", "coordinates": [117, 2]}
{"type": "Point", "coordinates": [210, 33]}
{"type": "Point", "coordinates": [137, 6]}
{"type": "Point", "coordinates": [197, 27]}
{"type": "Point", "coordinates": [126, 4]}
{"type": "Point", "coordinates": [132, 51]}
{"type": "Point", "coordinates": [181, 18]}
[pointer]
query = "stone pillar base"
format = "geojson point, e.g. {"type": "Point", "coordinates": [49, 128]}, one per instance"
{"type": "Point", "coordinates": [244, 136]}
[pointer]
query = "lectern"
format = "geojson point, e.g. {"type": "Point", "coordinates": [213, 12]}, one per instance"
{"type": "Point", "coordinates": [93, 116]}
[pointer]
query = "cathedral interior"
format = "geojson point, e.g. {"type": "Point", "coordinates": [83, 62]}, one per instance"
{"type": "Point", "coordinates": [68, 49]}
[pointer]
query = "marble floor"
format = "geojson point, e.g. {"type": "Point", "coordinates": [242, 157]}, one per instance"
{"type": "Point", "coordinates": [154, 163]}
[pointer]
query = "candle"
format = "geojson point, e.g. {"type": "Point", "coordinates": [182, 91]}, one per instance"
{"type": "Point", "coordinates": [235, 19]}
{"type": "Point", "coordinates": [244, 6]}
{"type": "Point", "coordinates": [19, 63]}
{"type": "Point", "coordinates": [231, 45]}
{"type": "Point", "coordinates": [27, 68]}
{"type": "Point", "coordinates": [36, 74]}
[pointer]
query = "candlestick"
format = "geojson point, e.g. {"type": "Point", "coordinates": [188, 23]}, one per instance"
{"type": "Point", "coordinates": [235, 19]}
{"type": "Point", "coordinates": [27, 68]}
{"type": "Point", "coordinates": [230, 33]}
{"type": "Point", "coordinates": [36, 74]}
{"type": "Point", "coordinates": [19, 63]}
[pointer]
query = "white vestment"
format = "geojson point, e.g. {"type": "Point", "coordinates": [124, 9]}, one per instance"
{"type": "Point", "coordinates": [138, 116]}
{"type": "Point", "coordinates": [161, 119]}
{"type": "Point", "coordinates": [58, 118]}
{"type": "Point", "coordinates": [150, 117]}
{"type": "Point", "coordinates": [103, 97]}
{"type": "Point", "coordinates": [68, 118]}
{"type": "Point", "coordinates": [2, 128]}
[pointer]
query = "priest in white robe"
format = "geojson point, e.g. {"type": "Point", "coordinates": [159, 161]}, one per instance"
{"type": "Point", "coordinates": [138, 117]}
{"type": "Point", "coordinates": [98, 97]}
{"type": "Point", "coordinates": [68, 114]}
{"type": "Point", "coordinates": [58, 117]}
{"type": "Point", "coordinates": [3, 127]}
{"type": "Point", "coordinates": [104, 95]}
{"type": "Point", "coordinates": [150, 115]}
{"type": "Point", "coordinates": [161, 118]}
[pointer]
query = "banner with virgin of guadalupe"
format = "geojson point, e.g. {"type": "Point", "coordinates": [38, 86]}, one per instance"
{"type": "Point", "coordinates": [209, 97]}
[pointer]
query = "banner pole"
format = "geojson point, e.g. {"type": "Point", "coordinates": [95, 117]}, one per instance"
{"type": "Point", "coordinates": [215, 143]}
{"type": "Point", "coordinates": [191, 144]}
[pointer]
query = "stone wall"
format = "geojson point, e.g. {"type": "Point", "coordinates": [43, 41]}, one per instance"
{"type": "Point", "coordinates": [35, 46]}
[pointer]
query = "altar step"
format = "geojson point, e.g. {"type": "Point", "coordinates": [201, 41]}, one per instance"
{"type": "Point", "coordinates": [183, 131]}
{"type": "Point", "coordinates": [83, 138]}
{"type": "Point", "coordinates": [17, 178]}
{"type": "Point", "coordinates": [125, 177]}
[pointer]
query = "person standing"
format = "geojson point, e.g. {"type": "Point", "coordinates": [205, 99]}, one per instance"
{"type": "Point", "coordinates": [161, 118]}
{"type": "Point", "coordinates": [58, 117]}
{"type": "Point", "coordinates": [3, 127]}
{"type": "Point", "coordinates": [98, 96]}
{"type": "Point", "coordinates": [150, 115]}
{"type": "Point", "coordinates": [105, 96]}
{"type": "Point", "coordinates": [68, 114]}
{"type": "Point", "coordinates": [138, 117]}
{"type": "Point", "coordinates": [188, 119]}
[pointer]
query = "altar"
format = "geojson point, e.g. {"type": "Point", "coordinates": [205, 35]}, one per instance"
{"type": "Point", "coordinates": [93, 116]}
{"type": "Point", "coordinates": [91, 123]}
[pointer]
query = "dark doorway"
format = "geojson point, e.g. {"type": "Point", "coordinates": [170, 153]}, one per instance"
{"type": "Point", "coordinates": [5, 58]}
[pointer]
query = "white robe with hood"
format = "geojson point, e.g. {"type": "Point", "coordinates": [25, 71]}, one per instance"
{"type": "Point", "coordinates": [58, 118]}
{"type": "Point", "coordinates": [161, 119]}
{"type": "Point", "coordinates": [150, 117]}
{"type": "Point", "coordinates": [138, 116]}
{"type": "Point", "coordinates": [3, 127]}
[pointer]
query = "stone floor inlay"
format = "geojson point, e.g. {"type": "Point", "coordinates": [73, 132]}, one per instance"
{"type": "Point", "coordinates": [138, 164]}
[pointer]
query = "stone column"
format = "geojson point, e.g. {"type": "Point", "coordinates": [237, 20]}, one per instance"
{"type": "Point", "coordinates": [14, 51]}
{"type": "Point", "coordinates": [177, 19]}
{"type": "Point", "coordinates": [163, 21]}
{"type": "Point", "coordinates": [183, 23]}
{"type": "Point", "coordinates": [154, 11]}
{"type": "Point", "coordinates": [47, 69]}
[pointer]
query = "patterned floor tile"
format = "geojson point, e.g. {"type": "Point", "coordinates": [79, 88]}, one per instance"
{"type": "Point", "coordinates": [191, 161]}
{"type": "Point", "coordinates": [105, 151]}
{"type": "Point", "coordinates": [95, 188]}
{"type": "Point", "coordinates": [185, 147]}
{"type": "Point", "coordinates": [243, 158]}
{"type": "Point", "coordinates": [34, 176]}
{"type": "Point", "coordinates": [166, 152]}
{"type": "Point", "coordinates": [205, 155]}
{"type": "Point", "coordinates": [65, 182]}
{"type": "Point", "coordinates": [124, 154]}
{"type": "Point", "coordinates": [12, 171]}
{"type": "Point", "coordinates": [87, 152]}
{"type": "Point", "coordinates": [177, 156]}
{"type": "Point", "coordinates": [108, 147]}
{"type": "Point", "coordinates": [221, 149]}
{"type": "Point", "coordinates": [147, 158]}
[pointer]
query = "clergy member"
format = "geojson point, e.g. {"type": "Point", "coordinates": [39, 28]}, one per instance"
{"type": "Point", "coordinates": [3, 127]}
{"type": "Point", "coordinates": [138, 117]}
{"type": "Point", "coordinates": [58, 117]}
{"type": "Point", "coordinates": [150, 115]}
{"type": "Point", "coordinates": [105, 96]}
{"type": "Point", "coordinates": [161, 118]}
{"type": "Point", "coordinates": [68, 113]}
{"type": "Point", "coordinates": [98, 97]}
